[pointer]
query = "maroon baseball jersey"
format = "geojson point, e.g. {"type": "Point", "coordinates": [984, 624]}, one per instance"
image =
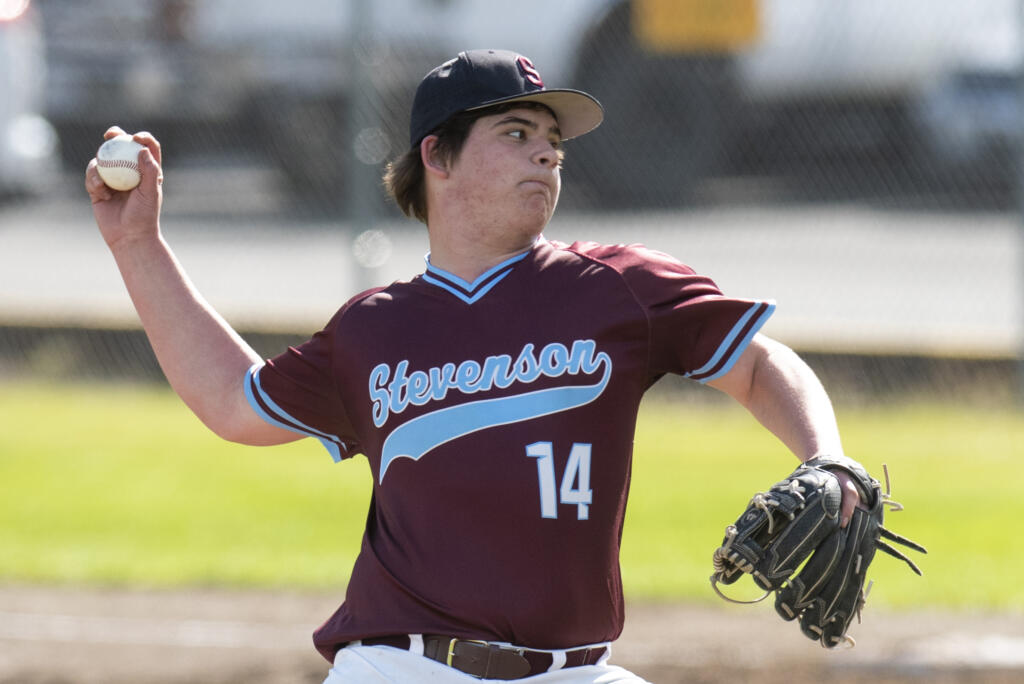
{"type": "Point", "coordinates": [498, 418]}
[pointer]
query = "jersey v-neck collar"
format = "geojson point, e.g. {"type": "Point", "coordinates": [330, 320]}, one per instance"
{"type": "Point", "coordinates": [471, 292]}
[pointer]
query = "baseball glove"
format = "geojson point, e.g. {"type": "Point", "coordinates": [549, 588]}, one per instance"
{"type": "Point", "coordinates": [796, 523]}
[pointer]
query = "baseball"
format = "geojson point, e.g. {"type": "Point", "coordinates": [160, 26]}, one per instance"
{"type": "Point", "coordinates": [117, 161]}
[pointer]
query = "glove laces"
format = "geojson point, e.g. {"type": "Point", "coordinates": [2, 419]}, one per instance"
{"type": "Point", "coordinates": [888, 502]}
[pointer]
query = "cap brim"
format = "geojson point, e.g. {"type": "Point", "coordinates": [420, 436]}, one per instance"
{"type": "Point", "coordinates": [576, 111]}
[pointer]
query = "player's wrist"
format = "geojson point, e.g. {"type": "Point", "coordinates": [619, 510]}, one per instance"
{"type": "Point", "coordinates": [859, 475]}
{"type": "Point", "coordinates": [137, 240]}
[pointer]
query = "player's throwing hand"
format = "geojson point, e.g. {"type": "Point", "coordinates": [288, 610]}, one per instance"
{"type": "Point", "coordinates": [134, 213]}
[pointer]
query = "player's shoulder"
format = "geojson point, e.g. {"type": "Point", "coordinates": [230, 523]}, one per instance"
{"type": "Point", "coordinates": [622, 257]}
{"type": "Point", "coordinates": [371, 299]}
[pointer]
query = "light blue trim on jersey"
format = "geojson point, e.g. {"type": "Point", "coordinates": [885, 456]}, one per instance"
{"type": "Point", "coordinates": [424, 433]}
{"type": "Point", "coordinates": [467, 286]}
{"type": "Point", "coordinates": [252, 387]}
{"type": "Point", "coordinates": [727, 343]}
{"type": "Point", "coordinates": [469, 300]}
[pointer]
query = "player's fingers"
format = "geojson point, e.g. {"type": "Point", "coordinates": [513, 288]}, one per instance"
{"type": "Point", "coordinates": [851, 497]}
{"type": "Point", "coordinates": [149, 140]}
{"type": "Point", "coordinates": [151, 174]}
{"type": "Point", "coordinates": [113, 131]}
{"type": "Point", "coordinates": [94, 185]}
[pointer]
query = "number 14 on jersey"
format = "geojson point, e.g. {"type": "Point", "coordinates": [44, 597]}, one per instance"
{"type": "Point", "coordinates": [575, 488]}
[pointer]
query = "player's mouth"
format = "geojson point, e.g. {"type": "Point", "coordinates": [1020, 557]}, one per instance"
{"type": "Point", "coordinates": [536, 183]}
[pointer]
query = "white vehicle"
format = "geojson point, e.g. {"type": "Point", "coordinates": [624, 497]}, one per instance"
{"type": "Point", "coordinates": [27, 142]}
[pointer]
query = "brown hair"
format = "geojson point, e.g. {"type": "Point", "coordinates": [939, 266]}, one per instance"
{"type": "Point", "coordinates": [403, 177]}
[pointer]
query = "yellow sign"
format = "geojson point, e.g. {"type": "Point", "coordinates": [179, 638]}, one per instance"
{"type": "Point", "coordinates": [695, 25]}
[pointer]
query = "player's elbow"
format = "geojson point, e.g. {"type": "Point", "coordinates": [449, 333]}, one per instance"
{"type": "Point", "coordinates": [252, 433]}
{"type": "Point", "coordinates": [237, 422]}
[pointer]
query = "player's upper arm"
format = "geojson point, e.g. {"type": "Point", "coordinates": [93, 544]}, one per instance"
{"type": "Point", "coordinates": [739, 380]}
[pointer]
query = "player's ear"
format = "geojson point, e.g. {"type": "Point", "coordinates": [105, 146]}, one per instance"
{"type": "Point", "coordinates": [434, 162]}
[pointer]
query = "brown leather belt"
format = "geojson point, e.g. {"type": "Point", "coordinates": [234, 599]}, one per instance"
{"type": "Point", "coordinates": [490, 661]}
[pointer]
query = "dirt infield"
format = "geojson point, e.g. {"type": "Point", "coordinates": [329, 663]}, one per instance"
{"type": "Point", "coordinates": [66, 635]}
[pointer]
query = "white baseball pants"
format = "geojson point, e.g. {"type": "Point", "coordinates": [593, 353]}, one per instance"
{"type": "Point", "coordinates": [357, 664]}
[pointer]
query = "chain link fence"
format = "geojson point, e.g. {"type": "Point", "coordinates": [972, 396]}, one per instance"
{"type": "Point", "coordinates": [858, 159]}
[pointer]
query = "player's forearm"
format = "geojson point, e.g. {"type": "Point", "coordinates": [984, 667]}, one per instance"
{"type": "Point", "coordinates": [202, 357]}
{"type": "Point", "coordinates": [786, 396]}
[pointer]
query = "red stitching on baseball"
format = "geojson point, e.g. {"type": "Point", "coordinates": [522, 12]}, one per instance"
{"type": "Point", "coordinates": [124, 163]}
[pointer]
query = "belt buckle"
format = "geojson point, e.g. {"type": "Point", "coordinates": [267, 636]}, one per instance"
{"type": "Point", "coordinates": [451, 647]}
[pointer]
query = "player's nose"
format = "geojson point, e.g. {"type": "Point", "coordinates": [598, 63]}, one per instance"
{"type": "Point", "coordinates": [546, 155]}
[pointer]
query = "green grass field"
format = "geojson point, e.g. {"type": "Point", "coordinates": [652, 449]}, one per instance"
{"type": "Point", "coordinates": [122, 485]}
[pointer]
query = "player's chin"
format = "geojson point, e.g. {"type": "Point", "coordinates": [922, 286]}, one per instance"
{"type": "Point", "coordinates": [538, 211]}
{"type": "Point", "coordinates": [540, 197]}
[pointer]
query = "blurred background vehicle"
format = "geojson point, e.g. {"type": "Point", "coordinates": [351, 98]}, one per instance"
{"type": "Point", "coordinates": [262, 81]}
{"type": "Point", "coordinates": [28, 143]}
{"type": "Point", "coordinates": [819, 97]}
{"type": "Point", "coordinates": [831, 99]}
{"type": "Point", "coordinates": [973, 125]}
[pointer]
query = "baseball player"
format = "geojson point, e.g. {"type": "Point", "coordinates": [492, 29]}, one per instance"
{"type": "Point", "coordinates": [494, 394]}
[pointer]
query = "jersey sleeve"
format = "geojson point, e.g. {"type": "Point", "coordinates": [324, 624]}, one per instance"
{"type": "Point", "coordinates": [695, 330]}
{"type": "Point", "coordinates": [297, 390]}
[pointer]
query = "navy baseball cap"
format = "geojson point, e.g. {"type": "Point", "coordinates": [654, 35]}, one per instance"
{"type": "Point", "coordinates": [481, 78]}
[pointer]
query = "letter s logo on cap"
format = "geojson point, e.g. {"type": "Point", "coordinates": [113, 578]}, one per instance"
{"type": "Point", "coordinates": [530, 72]}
